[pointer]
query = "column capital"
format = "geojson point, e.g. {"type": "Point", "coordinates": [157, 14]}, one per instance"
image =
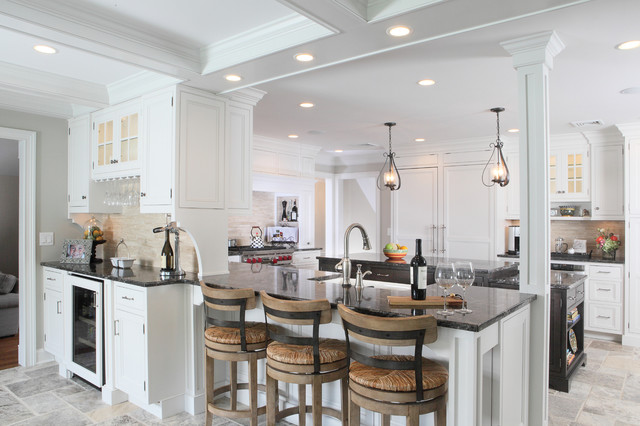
{"type": "Point", "coordinates": [534, 49]}
{"type": "Point", "coordinates": [629, 130]}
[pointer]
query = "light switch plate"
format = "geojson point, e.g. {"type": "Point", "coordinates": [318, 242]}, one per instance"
{"type": "Point", "coordinates": [46, 238]}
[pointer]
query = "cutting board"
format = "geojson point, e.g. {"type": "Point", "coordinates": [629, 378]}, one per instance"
{"type": "Point", "coordinates": [429, 302]}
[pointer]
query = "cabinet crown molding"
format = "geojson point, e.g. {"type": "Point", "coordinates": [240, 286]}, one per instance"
{"type": "Point", "coordinates": [629, 130]}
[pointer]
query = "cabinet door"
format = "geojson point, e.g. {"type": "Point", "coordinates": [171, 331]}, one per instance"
{"type": "Point", "coordinates": [53, 323]}
{"type": "Point", "coordinates": [634, 178]}
{"type": "Point", "coordinates": [468, 214]}
{"type": "Point", "coordinates": [607, 177]}
{"type": "Point", "coordinates": [157, 177]}
{"type": "Point", "coordinates": [633, 288]}
{"type": "Point", "coordinates": [202, 168]}
{"type": "Point", "coordinates": [79, 167]}
{"type": "Point", "coordinates": [130, 354]}
{"type": "Point", "coordinates": [415, 209]}
{"type": "Point", "coordinates": [238, 151]}
{"type": "Point", "coordinates": [128, 154]}
{"type": "Point", "coordinates": [569, 174]}
{"type": "Point", "coordinates": [513, 188]}
{"type": "Point", "coordinates": [103, 144]}
{"type": "Point", "coordinates": [555, 181]}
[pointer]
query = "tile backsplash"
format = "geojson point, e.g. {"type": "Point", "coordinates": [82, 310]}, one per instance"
{"type": "Point", "coordinates": [263, 214]}
{"type": "Point", "coordinates": [586, 230]}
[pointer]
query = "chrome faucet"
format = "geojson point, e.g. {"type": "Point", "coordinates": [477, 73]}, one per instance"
{"type": "Point", "coordinates": [173, 228]}
{"type": "Point", "coordinates": [345, 264]}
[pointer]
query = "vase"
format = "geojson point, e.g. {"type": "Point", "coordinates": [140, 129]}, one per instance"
{"type": "Point", "coordinates": [611, 255]}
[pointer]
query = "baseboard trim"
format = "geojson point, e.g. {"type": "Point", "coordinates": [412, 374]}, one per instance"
{"type": "Point", "coordinates": [194, 404]}
{"type": "Point", "coordinates": [43, 356]}
{"type": "Point", "coordinates": [628, 340]}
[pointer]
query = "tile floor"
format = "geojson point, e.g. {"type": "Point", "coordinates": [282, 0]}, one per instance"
{"type": "Point", "coordinates": [606, 392]}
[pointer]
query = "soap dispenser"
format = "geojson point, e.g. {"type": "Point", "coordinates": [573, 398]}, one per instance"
{"type": "Point", "coordinates": [359, 286]}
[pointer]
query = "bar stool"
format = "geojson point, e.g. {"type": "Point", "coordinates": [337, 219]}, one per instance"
{"type": "Point", "coordinates": [387, 383]}
{"type": "Point", "coordinates": [233, 341]}
{"type": "Point", "coordinates": [303, 360]}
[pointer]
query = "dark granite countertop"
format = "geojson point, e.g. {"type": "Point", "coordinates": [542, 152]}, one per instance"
{"type": "Point", "coordinates": [566, 280]}
{"type": "Point", "coordinates": [483, 267]}
{"type": "Point", "coordinates": [488, 304]}
{"type": "Point", "coordinates": [143, 276]}
{"type": "Point", "coordinates": [308, 248]}
{"type": "Point", "coordinates": [592, 259]}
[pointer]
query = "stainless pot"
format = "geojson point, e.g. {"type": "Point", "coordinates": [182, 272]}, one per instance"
{"type": "Point", "coordinates": [233, 242]}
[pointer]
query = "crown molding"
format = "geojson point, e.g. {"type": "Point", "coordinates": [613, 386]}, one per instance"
{"type": "Point", "coordinates": [285, 147]}
{"type": "Point", "coordinates": [33, 105]}
{"type": "Point", "coordinates": [137, 85]}
{"type": "Point", "coordinates": [274, 36]}
{"type": "Point", "coordinates": [629, 130]}
{"type": "Point", "coordinates": [377, 10]}
{"type": "Point", "coordinates": [248, 95]}
{"type": "Point", "coordinates": [568, 139]}
{"type": "Point", "coordinates": [34, 82]}
{"type": "Point", "coordinates": [610, 135]}
{"type": "Point", "coordinates": [534, 49]}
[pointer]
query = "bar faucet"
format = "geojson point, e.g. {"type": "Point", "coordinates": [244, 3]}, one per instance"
{"type": "Point", "coordinates": [173, 228]}
{"type": "Point", "coordinates": [345, 264]}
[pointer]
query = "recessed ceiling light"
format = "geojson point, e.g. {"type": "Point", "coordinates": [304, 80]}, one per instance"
{"type": "Point", "coordinates": [232, 77]}
{"type": "Point", "coordinates": [513, 130]}
{"type": "Point", "coordinates": [293, 136]}
{"type": "Point", "coordinates": [399, 31]}
{"type": "Point", "coordinates": [419, 139]}
{"type": "Point", "coordinates": [304, 57]}
{"type": "Point", "coordinates": [306, 105]}
{"type": "Point", "coordinates": [627, 45]}
{"type": "Point", "coordinates": [41, 48]}
{"type": "Point", "coordinates": [631, 91]}
{"type": "Point", "coordinates": [338, 150]}
{"type": "Point", "coordinates": [426, 82]}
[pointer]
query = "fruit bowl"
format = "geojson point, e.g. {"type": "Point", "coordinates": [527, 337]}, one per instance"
{"type": "Point", "coordinates": [395, 254]}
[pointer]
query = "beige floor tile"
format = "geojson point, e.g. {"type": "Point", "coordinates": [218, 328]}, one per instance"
{"type": "Point", "coordinates": [603, 392]}
{"type": "Point", "coordinates": [624, 363]}
{"type": "Point", "coordinates": [610, 346]}
{"type": "Point", "coordinates": [562, 407]}
{"type": "Point", "coordinates": [589, 419]}
{"type": "Point", "coordinates": [110, 411]}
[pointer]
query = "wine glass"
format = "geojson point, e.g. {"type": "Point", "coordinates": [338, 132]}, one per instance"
{"type": "Point", "coordinates": [445, 278]}
{"type": "Point", "coordinates": [465, 275]}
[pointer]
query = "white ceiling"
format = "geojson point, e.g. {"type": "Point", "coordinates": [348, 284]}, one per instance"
{"type": "Point", "coordinates": [9, 163]}
{"type": "Point", "coordinates": [360, 78]}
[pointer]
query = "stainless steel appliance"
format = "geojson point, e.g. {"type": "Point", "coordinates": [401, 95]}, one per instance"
{"type": "Point", "coordinates": [513, 240]}
{"type": "Point", "coordinates": [273, 255]}
{"type": "Point", "coordinates": [85, 318]}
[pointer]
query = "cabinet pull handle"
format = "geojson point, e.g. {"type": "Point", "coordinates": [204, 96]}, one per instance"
{"type": "Point", "coordinates": [604, 272]}
{"type": "Point", "coordinates": [581, 292]}
{"type": "Point", "coordinates": [84, 197]}
{"type": "Point", "coordinates": [50, 279]}
{"type": "Point", "coordinates": [443, 249]}
{"type": "Point", "coordinates": [597, 208]}
{"type": "Point", "coordinates": [128, 298]}
{"type": "Point", "coordinates": [603, 316]}
{"type": "Point", "coordinates": [435, 237]}
{"type": "Point", "coordinates": [571, 298]}
{"type": "Point", "coordinates": [382, 275]}
{"type": "Point", "coordinates": [58, 309]}
{"type": "Point", "coordinates": [116, 332]}
{"type": "Point", "coordinates": [143, 194]}
{"type": "Point", "coordinates": [603, 289]}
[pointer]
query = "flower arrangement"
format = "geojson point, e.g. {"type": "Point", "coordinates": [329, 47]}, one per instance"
{"type": "Point", "coordinates": [607, 242]}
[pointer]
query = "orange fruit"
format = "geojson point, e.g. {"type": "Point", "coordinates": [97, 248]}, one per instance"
{"type": "Point", "coordinates": [404, 248]}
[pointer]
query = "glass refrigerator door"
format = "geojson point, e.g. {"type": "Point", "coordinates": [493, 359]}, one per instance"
{"type": "Point", "coordinates": [84, 328]}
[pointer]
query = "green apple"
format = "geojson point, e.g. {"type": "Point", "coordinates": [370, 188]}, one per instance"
{"type": "Point", "coordinates": [390, 247]}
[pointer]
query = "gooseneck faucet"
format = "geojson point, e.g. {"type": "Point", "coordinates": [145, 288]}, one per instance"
{"type": "Point", "coordinates": [174, 229]}
{"type": "Point", "coordinates": [345, 264]}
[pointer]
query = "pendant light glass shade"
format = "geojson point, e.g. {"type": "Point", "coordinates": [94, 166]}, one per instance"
{"type": "Point", "coordinates": [389, 176]}
{"type": "Point", "coordinates": [496, 170]}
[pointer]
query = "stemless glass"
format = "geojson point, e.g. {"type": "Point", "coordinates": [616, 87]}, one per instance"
{"type": "Point", "coordinates": [465, 276]}
{"type": "Point", "coordinates": [445, 278]}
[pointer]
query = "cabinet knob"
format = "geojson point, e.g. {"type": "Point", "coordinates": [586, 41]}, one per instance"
{"type": "Point", "coordinates": [143, 194]}
{"type": "Point", "coordinates": [597, 208]}
{"type": "Point", "coordinates": [84, 197]}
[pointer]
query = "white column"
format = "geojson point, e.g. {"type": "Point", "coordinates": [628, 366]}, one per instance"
{"type": "Point", "coordinates": [533, 59]}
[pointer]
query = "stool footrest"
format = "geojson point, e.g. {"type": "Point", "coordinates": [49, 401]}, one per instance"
{"type": "Point", "coordinates": [239, 386]}
{"type": "Point", "coordinates": [327, 411]}
{"type": "Point", "coordinates": [234, 414]}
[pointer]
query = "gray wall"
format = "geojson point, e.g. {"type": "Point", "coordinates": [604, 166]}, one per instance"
{"type": "Point", "coordinates": [51, 191]}
{"type": "Point", "coordinates": [9, 186]}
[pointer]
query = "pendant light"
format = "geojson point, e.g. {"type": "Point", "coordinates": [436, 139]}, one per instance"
{"type": "Point", "coordinates": [389, 176]}
{"type": "Point", "coordinates": [498, 172]}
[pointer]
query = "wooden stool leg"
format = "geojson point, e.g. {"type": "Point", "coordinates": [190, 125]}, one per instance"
{"type": "Point", "coordinates": [209, 389]}
{"type": "Point", "coordinates": [413, 419]}
{"type": "Point", "coordinates": [354, 412]}
{"type": "Point", "coordinates": [344, 384]}
{"type": "Point", "coordinates": [317, 400]}
{"type": "Point", "coordinates": [233, 392]}
{"type": "Point", "coordinates": [441, 414]}
{"type": "Point", "coordinates": [386, 419]}
{"type": "Point", "coordinates": [272, 400]}
{"type": "Point", "coordinates": [302, 404]}
{"type": "Point", "coordinates": [253, 389]}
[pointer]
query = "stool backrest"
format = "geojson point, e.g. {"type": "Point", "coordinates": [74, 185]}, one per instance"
{"type": "Point", "coordinates": [389, 331]}
{"type": "Point", "coordinates": [219, 299]}
{"type": "Point", "coordinates": [297, 312]}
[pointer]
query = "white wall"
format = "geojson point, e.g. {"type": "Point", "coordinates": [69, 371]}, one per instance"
{"type": "Point", "coordinates": [320, 212]}
{"type": "Point", "coordinates": [9, 186]}
{"type": "Point", "coordinates": [360, 204]}
{"type": "Point", "coordinates": [51, 191]}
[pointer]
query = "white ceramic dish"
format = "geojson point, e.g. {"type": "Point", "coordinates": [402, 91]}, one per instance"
{"type": "Point", "coordinates": [122, 262]}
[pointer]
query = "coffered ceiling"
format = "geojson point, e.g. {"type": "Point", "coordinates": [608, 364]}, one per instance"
{"type": "Point", "coordinates": [112, 50]}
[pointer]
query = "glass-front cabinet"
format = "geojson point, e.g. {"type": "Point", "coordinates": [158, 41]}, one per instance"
{"type": "Point", "coordinates": [116, 142]}
{"type": "Point", "coordinates": [568, 174]}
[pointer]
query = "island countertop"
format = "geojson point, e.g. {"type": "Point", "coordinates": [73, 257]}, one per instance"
{"type": "Point", "coordinates": [488, 304]}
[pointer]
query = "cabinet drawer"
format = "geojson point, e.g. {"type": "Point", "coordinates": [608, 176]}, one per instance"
{"type": "Point", "coordinates": [575, 296]}
{"type": "Point", "coordinates": [309, 256]}
{"type": "Point", "coordinates": [605, 272]}
{"type": "Point", "coordinates": [605, 291]}
{"type": "Point", "coordinates": [604, 317]}
{"type": "Point", "coordinates": [130, 298]}
{"type": "Point", "coordinates": [53, 279]}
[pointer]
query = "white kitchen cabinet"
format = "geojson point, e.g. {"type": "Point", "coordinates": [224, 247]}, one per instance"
{"type": "Point", "coordinates": [238, 144]}
{"type": "Point", "coordinates": [148, 336]}
{"type": "Point", "coordinates": [632, 238]}
{"type": "Point", "coordinates": [569, 174]}
{"type": "Point", "coordinates": [116, 141]}
{"type": "Point", "coordinates": [512, 190]}
{"type": "Point", "coordinates": [607, 182]}
{"type": "Point", "coordinates": [305, 258]}
{"type": "Point", "coordinates": [284, 158]}
{"type": "Point", "coordinates": [53, 313]}
{"type": "Point", "coordinates": [633, 287]}
{"type": "Point", "coordinates": [158, 171]}
{"type": "Point", "coordinates": [603, 301]}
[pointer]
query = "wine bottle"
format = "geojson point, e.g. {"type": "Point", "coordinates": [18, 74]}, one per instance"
{"type": "Point", "coordinates": [294, 212]}
{"type": "Point", "coordinates": [418, 274]}
{"type": "Point", "coordinates": [166, 256]}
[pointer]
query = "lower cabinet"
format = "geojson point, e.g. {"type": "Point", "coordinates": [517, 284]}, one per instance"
{"type": "Point", "coordinates": [53, 313]}
{"type": "Point", "coordinates": [305, 258]}
{"type": "Point", "coordinates": [604, 299]}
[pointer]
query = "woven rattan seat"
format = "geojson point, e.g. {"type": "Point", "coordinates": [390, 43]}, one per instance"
{"type": "Point", "coordinates": [331, 350]}
{"type": "Point", "coordinates": [433, 375]}
{"type": "Point", "coordinates": [255, 333]}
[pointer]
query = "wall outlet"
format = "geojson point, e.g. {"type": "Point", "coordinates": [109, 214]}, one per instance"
{"type": "Point", "coordinates": [46, 238]}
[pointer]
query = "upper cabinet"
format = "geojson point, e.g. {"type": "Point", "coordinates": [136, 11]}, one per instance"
{"type": "Point", "coordinates": [284, 158]}
{"type": "Point", "coordinates": [569, 174]}
{"type": "Point", "coordinates": [607, 177]}
{"type": "Point", "coordinates": [116, 141]}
